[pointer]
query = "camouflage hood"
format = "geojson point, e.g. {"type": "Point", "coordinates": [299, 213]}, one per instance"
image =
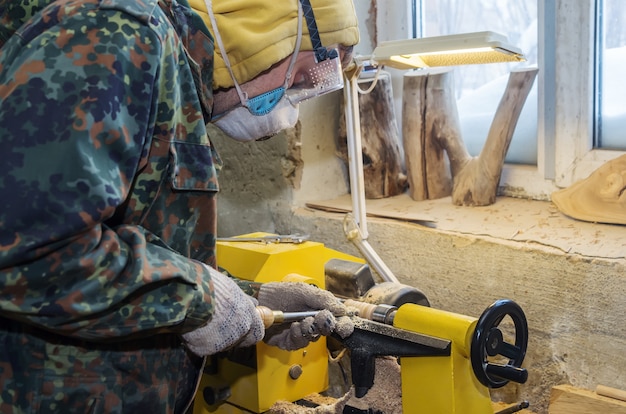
{"type": "Point", "coordinates": [13, 14]}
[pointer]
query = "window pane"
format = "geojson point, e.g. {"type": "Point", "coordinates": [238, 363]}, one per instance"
{"type": "Point", "coordinates": [610, 105]}
{"type": "Point", "coordinates": [479, 88]}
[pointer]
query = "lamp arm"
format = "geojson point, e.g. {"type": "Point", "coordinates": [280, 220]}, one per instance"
{"type": "Point", "coordinates": [355, 153]}
{"type": "Point", "coordinates": [359, 234]}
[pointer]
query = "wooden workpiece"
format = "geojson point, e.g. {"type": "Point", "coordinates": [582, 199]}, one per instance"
{"type": "Point", "coordinates": [567, 399]}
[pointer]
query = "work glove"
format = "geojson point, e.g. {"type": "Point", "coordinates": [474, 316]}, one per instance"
{"type": "Point", "coordinates": [235, 321]}
{"type": "Point", "coordinates": [302, 297]}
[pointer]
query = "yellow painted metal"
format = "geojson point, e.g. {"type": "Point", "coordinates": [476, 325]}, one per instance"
{"type": "Point", "coordinates": [268, 376]}
{"type": "Point", "coordinates": [441, 385]}
{"type": "Point", "coordinates": [271, 262]}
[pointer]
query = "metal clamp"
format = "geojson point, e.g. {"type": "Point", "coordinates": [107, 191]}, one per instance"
{"type": "Point", "coordinates": [276, 238]}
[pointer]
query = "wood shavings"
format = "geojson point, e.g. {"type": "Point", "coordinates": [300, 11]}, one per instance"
{"type": "Point", "coordinates": [385, 395]}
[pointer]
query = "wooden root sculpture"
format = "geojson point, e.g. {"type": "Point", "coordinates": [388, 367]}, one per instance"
{"type": "Point", "coordinates": [430, 129]}
{"type": "Point", "coordinates": [382, 160]}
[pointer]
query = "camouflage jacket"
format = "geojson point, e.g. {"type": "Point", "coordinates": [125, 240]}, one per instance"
{"type": "Point", "coordinates": [107, 177]}
{"type": "Point", "coordinates": [108, 184]}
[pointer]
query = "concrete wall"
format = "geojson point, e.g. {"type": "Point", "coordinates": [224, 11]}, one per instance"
{"type": "Point", "coordinates": [262, 181]}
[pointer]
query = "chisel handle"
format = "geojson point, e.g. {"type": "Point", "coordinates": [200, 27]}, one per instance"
{"type": "Point", "coordinates": [272, 317]}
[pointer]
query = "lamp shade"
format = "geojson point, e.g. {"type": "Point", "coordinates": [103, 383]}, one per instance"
{"type": "Point", "coordinates": [449, 50]}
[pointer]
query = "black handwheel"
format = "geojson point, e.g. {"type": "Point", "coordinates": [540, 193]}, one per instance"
{"type": "Point", "coordinates": [488, 341]}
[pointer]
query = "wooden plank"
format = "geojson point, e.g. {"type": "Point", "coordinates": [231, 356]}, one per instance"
{"type": "Point", "coordinates": [399, 207]}
{"type": "Point", "coordinates": [566, 399]}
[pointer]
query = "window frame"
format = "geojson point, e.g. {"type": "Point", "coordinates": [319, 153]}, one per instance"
{"type": "Point", "coordinates": [566, 116]}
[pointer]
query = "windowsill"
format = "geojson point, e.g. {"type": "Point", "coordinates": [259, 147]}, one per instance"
{"type": "Point", "coordinates": [535, 224]}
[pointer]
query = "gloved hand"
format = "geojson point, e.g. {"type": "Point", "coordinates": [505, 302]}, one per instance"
{"type": "Point", "coordinates": [235, 320]}
{"type": "Point", "coordinates": [301, 297]}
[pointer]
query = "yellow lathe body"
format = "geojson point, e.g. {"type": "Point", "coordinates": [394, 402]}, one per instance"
{"type": "Point", "coordinates": [445, 358]}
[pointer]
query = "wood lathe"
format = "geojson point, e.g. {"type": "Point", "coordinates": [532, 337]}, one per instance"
{"type": "Point", "coordinates": [448, 361]}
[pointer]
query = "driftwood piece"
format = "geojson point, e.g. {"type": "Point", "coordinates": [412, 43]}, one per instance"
{"type": "Point", "coordinates": [382, 161]}
{"type": "Point", "coordinates": [430, 126]}
{"type": "Point", "coordinates": [429, 121]}
{"type": "Point", "coordinates": [476, 184]}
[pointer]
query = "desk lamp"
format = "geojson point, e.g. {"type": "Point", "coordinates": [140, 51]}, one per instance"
{"type": "Point", "coordinates": [448, 50]}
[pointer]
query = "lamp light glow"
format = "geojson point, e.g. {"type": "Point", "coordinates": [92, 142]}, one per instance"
{"type": "Point", "coordinates": [449, 50]}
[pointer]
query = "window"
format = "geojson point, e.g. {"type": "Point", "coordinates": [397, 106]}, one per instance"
{"type": "Point", "coordinates": [563, 105]}
{"type": "Point", "coordinates": [610, 87]}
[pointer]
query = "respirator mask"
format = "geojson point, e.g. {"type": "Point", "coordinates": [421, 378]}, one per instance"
{"type": "Point", "coordinates": [265, 115]}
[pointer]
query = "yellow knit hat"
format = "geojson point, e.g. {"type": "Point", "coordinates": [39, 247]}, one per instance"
{"type": "Point", "coordinates": [259, 33]}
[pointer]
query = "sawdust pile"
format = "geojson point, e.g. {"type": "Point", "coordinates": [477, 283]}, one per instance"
{"type": "Point", "coordinates": [385, 395]}
{"type": "Point", "coordinates": [327, 405]}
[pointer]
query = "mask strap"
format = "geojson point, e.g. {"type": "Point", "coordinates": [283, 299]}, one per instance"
{"type": "Point", "coordinates": [243, 96]}
{"type": "Point", "coordinates": [321, 53]}
{"type": "Point", "coordinates": [294, 57]}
